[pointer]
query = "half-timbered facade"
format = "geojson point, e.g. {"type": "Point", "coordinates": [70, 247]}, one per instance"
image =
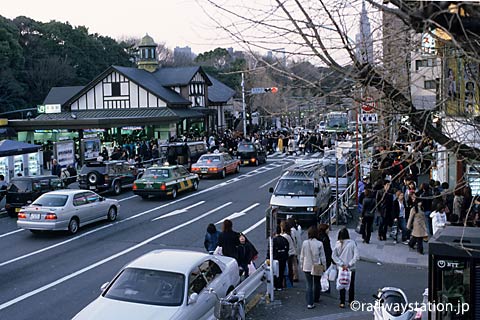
{"type": "Point", "coordinates": [166, 102]}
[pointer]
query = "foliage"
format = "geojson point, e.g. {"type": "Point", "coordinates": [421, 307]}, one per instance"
{"type": "Point", "coordinates": [35, 56]}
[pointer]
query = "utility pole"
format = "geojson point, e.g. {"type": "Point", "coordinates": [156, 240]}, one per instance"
{"type": "Point", "coordinates": [244, 108]}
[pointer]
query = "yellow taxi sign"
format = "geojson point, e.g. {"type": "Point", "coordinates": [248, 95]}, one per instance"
{"type": "Point", "coordinates": [3, 122]}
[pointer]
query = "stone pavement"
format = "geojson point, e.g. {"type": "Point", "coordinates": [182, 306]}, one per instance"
{"type": "Point", "coordinates": [385, 252]}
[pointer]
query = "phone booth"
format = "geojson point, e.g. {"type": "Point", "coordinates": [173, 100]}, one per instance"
{"type": "Point", "coordinates": [454, 273]}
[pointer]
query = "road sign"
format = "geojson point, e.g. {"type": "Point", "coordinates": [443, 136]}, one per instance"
{"type": "Point", "coordinates": [368, 118]}
{"type": "Point", "coordinates": [368, 104]}
{"type": "Point", "coordinates": [263, 90]}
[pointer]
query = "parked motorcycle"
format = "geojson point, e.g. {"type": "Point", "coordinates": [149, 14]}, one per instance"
{"type": "Point", "coordinates": [392, 304]}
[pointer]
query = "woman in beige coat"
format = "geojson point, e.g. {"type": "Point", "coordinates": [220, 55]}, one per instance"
{"type": "Point", "coordinates": [416, 223]}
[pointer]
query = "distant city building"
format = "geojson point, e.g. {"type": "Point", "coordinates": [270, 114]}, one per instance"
{"type": "Point", "coordinates": [183, 55]}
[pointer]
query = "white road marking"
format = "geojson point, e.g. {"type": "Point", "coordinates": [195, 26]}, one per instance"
{"type": "Point", "coordinates": [239, 214]}
{"type": "Point", "coordinates": [254, 226]}
{"type": "Point", "coordinates": [127, 198]}
{"type": "Point", "coordinates": [268, 182]}
{"type": "Point", "coordinates": [99, 263]}
{"type": "Point", "coordinates": [11, 232]}
{"type": "Point", "coordinates": [175, 212]}
{"type": "Point", "coordinates": [115, 223]}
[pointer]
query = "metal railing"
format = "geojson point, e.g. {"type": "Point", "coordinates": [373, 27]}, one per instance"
{"type": "Point", "coordinates": [245, 289]}
{"type": "Point", "coordinates": [339, 206]}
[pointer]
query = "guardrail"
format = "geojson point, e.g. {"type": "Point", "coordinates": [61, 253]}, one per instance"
{"type": "Point", "coordinates": [244, 290]}
{"type": "Point", "coordinates": [329, 216]}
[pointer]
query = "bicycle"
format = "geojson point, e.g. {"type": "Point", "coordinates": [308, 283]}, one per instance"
{"type": "Point", "coordinates": [229, 308]}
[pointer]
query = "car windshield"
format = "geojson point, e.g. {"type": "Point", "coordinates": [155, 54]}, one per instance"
{"type": "Point", "coordinates": [20, 186]}
{"type": "Point", "coordinates": [157, 172]}
{"type": "Point", "coordinates": [209, 159]}
{"type": "Point", "coordinates": [245, 147]}
{"type": "Point", "coordinates": [331, 170]}
{"type": "Point", "coordinates": [337, 122]}
{"type": "Point", "coordinates": [51, 200]}
{"type": "Point", "coordinates": [146, 286]}
{"type": "Point", "coordinates": [294, 187]}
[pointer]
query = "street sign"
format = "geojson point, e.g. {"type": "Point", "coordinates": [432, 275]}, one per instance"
{"type": "Point", "coordinates": [257, 90]}
{"type": "Point", "coordinates": [368, 118]}
{"type": "Point", "coordinates": [263, 90]}
{"type": "Point", "coordinates": [368, 104]}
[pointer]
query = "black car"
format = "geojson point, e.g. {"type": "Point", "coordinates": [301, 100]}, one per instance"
{"type": "Point", "coordinates": [183, 153]}
{"type": "Point", "coordinates": [107, 176]}
{"type": "Point", "coordinates": [251, 153]}
{"type": "Point", "coordinates": [24, 190]}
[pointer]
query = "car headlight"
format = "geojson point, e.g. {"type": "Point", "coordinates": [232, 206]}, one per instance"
{"type": "Point", "coordinates": [310, 209]}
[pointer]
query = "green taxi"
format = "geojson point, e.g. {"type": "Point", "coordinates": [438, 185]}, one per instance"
{"type": "Point", "coordinates": [165, 181]}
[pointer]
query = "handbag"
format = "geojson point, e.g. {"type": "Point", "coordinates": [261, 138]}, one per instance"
{"type": "Point", "coordinates": [360, 229]}
{"type": "Point", "coordinates": [317, 268]}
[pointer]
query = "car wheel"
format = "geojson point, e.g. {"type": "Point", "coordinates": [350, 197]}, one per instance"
{"type": "Point", "coordinates": [93, 177]}
{"type": "Point", "coordinates": [12, 213]}
{"type": "Point", "coordinates": [237, 170]}
{"type": "Point", "coordinates": [112, 214]}
{"type": "Point", "coordinates": [195, 185]}
{"type": "Point", "coordinates": [117, 188]}
{"type": "Point", "coordinates": [73, 226]}
{"type": "Point", "coordinates": [224, 173]}
{"type": "Point", "coordinates": [174, 193]}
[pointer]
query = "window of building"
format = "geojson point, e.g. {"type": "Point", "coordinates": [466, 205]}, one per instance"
{"type": "Point", "coordinates": [115, 89]}
{"type": "Point", "coordinates": [430, 84]}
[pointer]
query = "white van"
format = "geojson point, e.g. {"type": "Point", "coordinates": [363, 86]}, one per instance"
{"type": "Point", "coordinates": [303, 192]}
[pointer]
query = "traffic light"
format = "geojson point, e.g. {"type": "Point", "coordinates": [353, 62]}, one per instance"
{"type": "Point", "coordinates": [271, 89]}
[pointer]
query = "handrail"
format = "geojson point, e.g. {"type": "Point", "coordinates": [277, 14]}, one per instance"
{"type": "Point", "coordinates": [330, 214]}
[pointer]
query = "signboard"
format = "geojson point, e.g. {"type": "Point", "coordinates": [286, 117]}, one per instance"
{"type": "Point", "coordinates": [369, 118]}
{"type": "Point", "coordinates": [53, 108]}
{"type": "Point", "coordinates": [368, 104]}
{"type": "Point", "coordinates": [271, 221]}
{"type": "Point", "coordinates": [257, 90]}
{"type": "Point", "coordinates": [428, 44]}
{"type": "Point", "coordinates": [90, 149]}
{"type": "Point", "coordinates": [64, 152]}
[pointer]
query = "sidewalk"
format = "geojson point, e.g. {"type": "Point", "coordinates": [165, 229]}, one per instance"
{"type": "Point", "coordinates": [385, 252]}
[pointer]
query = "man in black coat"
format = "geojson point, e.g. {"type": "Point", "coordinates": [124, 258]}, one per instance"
{"type": "Point", "coordinates": [56, 168]}
{"type": "Point", "coordinates": [280, 253]}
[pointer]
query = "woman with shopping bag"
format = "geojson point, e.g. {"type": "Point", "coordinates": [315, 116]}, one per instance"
{"type": "Point", "coordinates": [345, 255]}
{"type": "Point", "coordinates": [312, 259]}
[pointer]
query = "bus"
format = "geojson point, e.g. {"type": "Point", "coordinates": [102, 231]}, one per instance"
{"type": "Point", "coordinates": [336, 121]}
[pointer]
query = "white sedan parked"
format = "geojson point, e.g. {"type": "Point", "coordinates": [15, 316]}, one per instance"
{"type": "Point", "coordinates": [66, 210]}
{"type": "Point", "coordinates": [165, 284]}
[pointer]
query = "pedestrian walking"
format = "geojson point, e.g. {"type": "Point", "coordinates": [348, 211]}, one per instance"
{"type": "Point", "coordinates": [292, 252]}
{"type": "Point", "coordinates": [280, 253]}
{"type": "Point", "coordinates": [345, 255]}
{"type": "Point", "coordinates": [295, 233]}
{"type": "Point", "coordinates": [400, 214]}
{"type": "Point", "coordinates": [246, 254]}
{"type": "Point", "coordinates": [56, 168]}
{"type": "Point", "coordinates": [312, 253]}
{"type": "Point", "coordinates": [439, 218]}
{"type": "Point", "coordinates": [368, 214]}
{"type": "Point", "coordinates": [416, 223]}
{"type": "Point", "coordinates": [228, 240]}
{"type": "Point", "coordinates": [211, 238]}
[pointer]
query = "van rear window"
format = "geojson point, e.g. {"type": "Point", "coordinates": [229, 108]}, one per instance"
{"type": "Point", "coordinates": [294, 187]}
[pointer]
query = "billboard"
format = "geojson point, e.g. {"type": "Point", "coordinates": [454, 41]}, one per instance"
{"type": "Point", "coordinates": [90, 149]}
{"type": "Point", "coordinates": [64, 152]}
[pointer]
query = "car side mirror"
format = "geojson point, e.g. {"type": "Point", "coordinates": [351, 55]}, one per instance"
{"type": "Point", "coordinates": [101, 199]}
{"type": "Point", "coordinates": [270, 190]}
{"type": "Point", "coordinates": [193, 298]}
{"type": "Point", "coordinates": [316, 190]}
{"type": "Point", "coordinates": [104, 286]}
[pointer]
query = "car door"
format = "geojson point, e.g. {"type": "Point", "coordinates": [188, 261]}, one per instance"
{"type": "Point", "coordinates": [199, 283]}
{"type": "Point", "coordinates": [81, 207]}
{"type": "Point", "coordinates": [98, 209]}
{"type": "Point", "coordinates": [228, 163]}
{"type": "Point", "coordinates": [185, 178]}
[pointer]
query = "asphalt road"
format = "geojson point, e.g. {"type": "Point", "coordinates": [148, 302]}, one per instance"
{"type": "Point", "coordinates": [55, 275]}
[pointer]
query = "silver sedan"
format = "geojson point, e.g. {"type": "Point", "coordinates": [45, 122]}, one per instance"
{"type": "Point", "coordinates": [66, 210]}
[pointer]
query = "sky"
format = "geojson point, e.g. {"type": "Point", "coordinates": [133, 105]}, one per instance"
{"type": "Point", "coordinates": [174, 22]}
